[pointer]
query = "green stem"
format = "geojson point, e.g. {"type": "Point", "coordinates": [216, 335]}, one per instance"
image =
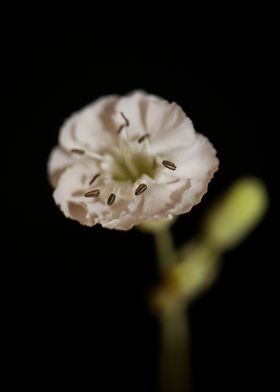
{"type": "Point", "coordinates": [175, 359]}
{"type": "Point", "coordinates": [174, 373]}
{"type": "Point", "coordinates": [165, 249]}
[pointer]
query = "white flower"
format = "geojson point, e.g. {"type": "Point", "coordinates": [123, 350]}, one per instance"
{"type": "Point", "coordinates": [125, 160]}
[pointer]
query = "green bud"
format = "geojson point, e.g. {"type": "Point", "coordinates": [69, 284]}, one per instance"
{"type": "Point", "coordinates": [194, 271]}
{"type": "Point", "coordinates": [236, 214]}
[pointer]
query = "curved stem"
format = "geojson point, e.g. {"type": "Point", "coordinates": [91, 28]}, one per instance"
{"type": "Point", "coordinates": [174, 373]}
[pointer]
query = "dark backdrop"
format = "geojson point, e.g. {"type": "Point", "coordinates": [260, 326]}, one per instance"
{"type": "Point", "coordinates": [58, 274]}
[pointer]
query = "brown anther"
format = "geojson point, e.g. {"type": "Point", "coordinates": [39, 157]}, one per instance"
{"type": "Point", "coordinates": [93, 179]}
{"type": "Point", "coordinates": [125, 119]}
{"type": "Point", "coordinates": [94, 193]}
{"type": "Point", "coordinates": [111, 199]}
{"type": "Point", "coordinates": [144, 137]}
{"type": "Point", "coordinates": [77, 151]}
{"type": "Point", "coordinates": [169, 165]}
{"type": "Point", "coordinates": [140, 189]}
{"type": "Point", "coordinates": [120, 128]}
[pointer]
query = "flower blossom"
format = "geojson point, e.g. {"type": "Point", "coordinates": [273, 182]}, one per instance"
{"type": "Point", "coordinates": [124, 160]}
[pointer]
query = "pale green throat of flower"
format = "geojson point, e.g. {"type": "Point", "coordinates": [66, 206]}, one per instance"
{"type": "Point", "coordinates": [129, 165]}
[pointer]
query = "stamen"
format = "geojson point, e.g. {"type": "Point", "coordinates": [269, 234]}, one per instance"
{"type": "Point", "coordinates": [93, 179]}
{"type": "Point", "coordinates": [77, 151]}
{"type": "Point", "coordinates": [144, 137]}
{"type": "Point", "coordinates": [169, 165]}
{"type": "Point", "coordinates": [94, 193]}
{"type": "Point", "coordinates": [111, 199]}
{"type": "Point", "coordinates": [123, 125]}
{"type": "Point", "coordinates": [120, 128]}
{"type": "Point", "coordinates": [95, 155]}
{"type": "Point", "coordinates": [125, 119]}
{"type": "Point", "coordinates": [140, 189]}
{"type": "Point", "coordinates": [89, 154]}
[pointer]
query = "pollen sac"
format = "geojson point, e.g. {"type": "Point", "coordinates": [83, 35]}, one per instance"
{"type": "Point", "coordinates": [94, 178]}
{"type": "Point", "coordinates": [169, 165]}
{"type": "Point", "coordinates": [77, 151]}
{"type": "Point", "coordinates": [111, 199]}
{"type": "Point", "coordinates": [125, 119]}
{"type": "Point", "coordinates": [140, 189]}
{"type": "Point", "coordinates": [93, 193]}
{"type": "Point", "coordinates": [144, 137]}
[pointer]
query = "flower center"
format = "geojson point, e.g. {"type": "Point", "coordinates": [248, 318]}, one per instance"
{"type": "Point", "coordinates": [129, 163]}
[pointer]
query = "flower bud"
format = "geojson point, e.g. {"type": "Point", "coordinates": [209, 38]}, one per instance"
{"type": "Point", "coordinates": [237, 213]}
{"type": "Point", "coordinates": [195, 270]}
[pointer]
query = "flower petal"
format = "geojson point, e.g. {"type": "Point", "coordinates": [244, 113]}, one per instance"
{"type": "Point", "coordinates": [69, 194]}
{"type": "Point", "coordinates": [58, 161]}
{"type": "Point", "coordinates": [196, 161]}
{"type": "Point", "coordinates": [155, 203]}
{"type": "Point", "coordinates": [163, 117]}
{"type": "Point", "coordinates": [191, 196]}
{"type": "Point", "coordinates": [165, 122]}
{"type": "Point", "coordinates": [133, 107]}
{"type": "Point", "coordinates": [92, 128]}
{"type": "Point", "coordinates": [123, 216]}
{"type": "Point", "coordinates": [160, 199]}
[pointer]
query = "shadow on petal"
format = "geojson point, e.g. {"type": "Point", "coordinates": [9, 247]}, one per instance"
{"type": "Point", "coordinates": [77, 212]}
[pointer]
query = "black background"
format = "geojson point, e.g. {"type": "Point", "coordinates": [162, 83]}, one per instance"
{"type": "Point", "coordinates": [58, 274]}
